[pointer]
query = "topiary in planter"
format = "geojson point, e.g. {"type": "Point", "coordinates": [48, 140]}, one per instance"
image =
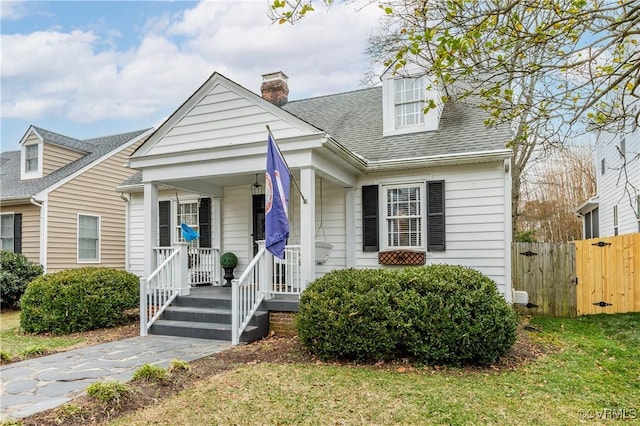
{"type": "Point", "coordinates": [78, 300]}
{"type": "Point", "coordinates": [228, 261]}
{"type": "Point", "coordinates": [439, 314]}
{"type": "Point", "coordinates": [16, 271]}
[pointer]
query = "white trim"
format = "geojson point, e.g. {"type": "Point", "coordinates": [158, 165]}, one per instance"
{"type": "Point", "coordinates": [508, 230]}
{"type": "Point", "coordinates": [439, 160]}
{"type": "Point", "coordinates": [99, 250]}
{"type": "Point", "coordinates": [382, 209]}
{"type": "Point", "coordinates": [44, 229]}
{"type": "Point", "coordinates": [95, 162]}
{"type": "Point", "coordinates": [350, 226]}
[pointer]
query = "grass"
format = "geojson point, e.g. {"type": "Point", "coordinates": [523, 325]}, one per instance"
{"type": "Point", "coordinates": [595, 373]}
{"type": "Point", "coordinates": [17, 343]}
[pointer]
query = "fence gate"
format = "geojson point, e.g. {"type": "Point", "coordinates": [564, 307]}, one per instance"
{"type": "Point", "coordinates": [547, 272]}
{"type": "Point", "coordinates": [608, 274]}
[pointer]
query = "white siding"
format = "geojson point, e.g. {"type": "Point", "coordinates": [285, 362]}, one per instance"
{"type": "Point", "coordinates": [616, 186]}
{"type": "Point", "coordinates": [236, 225]}
{"type": "Point", "coordinates": [222, 118]}
{"type": "Point", "coordinates": [476, 226]}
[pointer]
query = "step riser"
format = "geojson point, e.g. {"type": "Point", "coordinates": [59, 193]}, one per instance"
{"type": "Point", "coordinates": [202, 302]}
{"type": "Point", "coordinates": [198, 333]}
{"type": "Point", "coordinates": [223, 318]}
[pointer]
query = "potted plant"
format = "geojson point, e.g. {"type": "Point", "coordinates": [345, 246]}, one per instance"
{"type": "Point", "coordinates": [228, 261]}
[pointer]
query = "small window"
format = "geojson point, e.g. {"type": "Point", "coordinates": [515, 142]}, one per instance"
{"type": "Point", "coordinates": [31, 158]}
{"type": "Point", "coordinates": [623, 146]}
{"type": "Point", "coordinates": [409, 101]}
{"type": "Point", "coordinates": [6, 232]}
{"type": "Point", "coordinates": [88, 238]}
{"type": "Point", "coordinates": [187, 213]}
{"type": "Point", "coordinates": [404, 216]}
{"type": "Point", "coordinates": [602, 167]}
{"type": "Point", "coordinates": [587, 225]}
{"type": "Point", "coordinates": [615, 220]}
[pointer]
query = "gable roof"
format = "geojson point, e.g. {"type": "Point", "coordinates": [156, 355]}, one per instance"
{"type": "Point", "coordinates": [354, 119]}
{"type": "Point", "coordinates": [12, 187]}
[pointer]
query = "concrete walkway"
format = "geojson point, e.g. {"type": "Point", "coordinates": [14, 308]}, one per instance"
{"type": "Point", "coordinates": [39, 384]}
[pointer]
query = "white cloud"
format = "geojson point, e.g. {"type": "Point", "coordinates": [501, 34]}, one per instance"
{"type": "Point", "coordinates": [81, 76]}
{"type": "Point", "coordinates": [12, 10]}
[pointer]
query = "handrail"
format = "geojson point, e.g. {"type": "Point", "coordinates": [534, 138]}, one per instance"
{"type": "Point", "coordinates": [246, 296]}
{"type": "Point", "coordinates": [158, 290]}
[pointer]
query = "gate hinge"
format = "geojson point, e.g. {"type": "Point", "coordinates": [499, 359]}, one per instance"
{"type": "Point", "coordinates": [602, 304]}
{"type": "Point", "coordinates": [529, 253]}
{"type": "Point", "coordinates": [601, 244]}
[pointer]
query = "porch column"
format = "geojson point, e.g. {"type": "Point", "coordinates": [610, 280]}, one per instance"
{"type": "Point", "coordinates": [150, 226]}
{"type": "Point", "coordinates": [308, 226]}
{"type": "Point", "coordinates": [350, 227]}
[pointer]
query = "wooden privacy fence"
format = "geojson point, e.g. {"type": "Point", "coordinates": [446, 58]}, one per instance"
{"type": "Point", "coordinates": [546, 271]}
{"type": "Point", "coordinates": [608, 271]}
{"type": "Point", "coordinates": [600, 275]}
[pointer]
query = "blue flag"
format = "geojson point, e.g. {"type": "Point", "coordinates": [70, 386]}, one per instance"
{"type": "Point", "coordinates": [276, 200]}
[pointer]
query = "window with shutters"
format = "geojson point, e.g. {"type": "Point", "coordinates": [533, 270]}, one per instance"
{"type": "Point", "coordinates": [88, 238]}
{"type": "Point", "coordinates": [6, 232]}
{"type": "Point", "coordinates": [187, 213]}
{"type": "Point", "coordinates": [436, 229]}
{"type": "Point", "coordinates": [403, 216]}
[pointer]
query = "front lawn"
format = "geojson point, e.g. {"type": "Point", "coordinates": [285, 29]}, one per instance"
{"type": "Point", "coordinates": [591, 376]}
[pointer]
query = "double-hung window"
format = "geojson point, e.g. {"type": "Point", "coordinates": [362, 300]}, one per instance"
{"type": "Point", "coordinates": [187, 213]}
{"type": "Point", "coordinates": [31, 158]}
{"type": "Point", "coordinates": [615, 220]}
{"type": "Point", "coordinates": [409, 101]}
{"type": "Point", "coordinates": [6, 232]}
{"type": "Point", "coordinates": [88, 238]}
{"type": "Point", "coordinates": [404, 216]}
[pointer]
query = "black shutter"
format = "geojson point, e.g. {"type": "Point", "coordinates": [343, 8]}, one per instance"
{"type": "Point", "coordinates": [435, 216]}
{"type": "Point", "coordinates": [370, 218]}
{"type": "Point", "coordinates": [164, 223]}
{"type": "Point", "coordinates": [204, 214]}
{"type": "Point", "coordinates": [17, 233]}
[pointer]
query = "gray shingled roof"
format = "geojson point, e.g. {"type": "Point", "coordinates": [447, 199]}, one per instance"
{"type": "Point", "coordinates": [354, 119]}
{"type": "Point", "coordinates": [10, 184]}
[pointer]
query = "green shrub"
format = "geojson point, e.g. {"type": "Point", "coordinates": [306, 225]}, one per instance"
{"type": "Point", "coordinates": [15, 273]}
{"type": "Point", "coordinates": [5, 357]}
{"type": "Point", "coordinates": [350, 314]}
{"type": "Point", "coordinates": [33, 351]}
{"type": "Point", "coordinates": [78, 300]}
{"type": "Point", "coordinates": [228, 260]}
{"type": "Point", "coordinates": [439, 314]}
{"type": "Point", "coordinates": [107, 392]}
{"type": "Point", "coordinates": [151, 373]}
{"type": "Point", "coordinates": [70, 413]}
{"type": "Point", "coordinates": [179, 365]}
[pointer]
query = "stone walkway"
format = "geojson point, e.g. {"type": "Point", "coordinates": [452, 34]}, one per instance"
{"type": "Point", "coordinates": [39, 384]}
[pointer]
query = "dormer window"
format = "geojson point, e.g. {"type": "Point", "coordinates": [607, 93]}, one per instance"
{"type": "Point", "coordinates": [403, 102]}
{"type": "Point", "coordinates": [409, 100]}
{"type": "Point", "coordinates": [31, 158]}
{"type": "Point", "coordinates": [31, 164]}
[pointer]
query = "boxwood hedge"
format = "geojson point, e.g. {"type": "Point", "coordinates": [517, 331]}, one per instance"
{"type": "Point", "coordinates": [78, 300]}
{"type": "Point", "coordinates": [16, 271]}
{"type": "Point", "coordinates": [439, 314]}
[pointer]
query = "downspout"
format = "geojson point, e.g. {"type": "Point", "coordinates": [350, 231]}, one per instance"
{"type": "Point", "coordinates": [126, 231]}
{"type": "Point", "coordinates": [43, 231]}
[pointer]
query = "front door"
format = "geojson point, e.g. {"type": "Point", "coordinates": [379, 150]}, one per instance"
{"type": "Point", "coordinates": [258, 220]}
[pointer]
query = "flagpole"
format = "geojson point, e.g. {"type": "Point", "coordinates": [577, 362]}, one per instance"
{"type": "Point", "coordinates": [287, 164]}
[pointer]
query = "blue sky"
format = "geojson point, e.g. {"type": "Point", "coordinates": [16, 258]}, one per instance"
{"type": "Point", "coordinates": [92, 68]}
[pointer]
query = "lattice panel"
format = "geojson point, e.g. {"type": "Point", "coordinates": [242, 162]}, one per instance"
{"type": "Point", "coordinates": [401, 257]}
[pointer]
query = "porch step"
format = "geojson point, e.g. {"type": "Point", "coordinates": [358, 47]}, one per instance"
{"type": "Point", "coordinates": [203, 330]}
{"type": "Point", "coordinates": [206, 314]}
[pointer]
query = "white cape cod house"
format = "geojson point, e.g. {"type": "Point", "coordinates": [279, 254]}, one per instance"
{"type": "Point", "coordinates": [385, 186]}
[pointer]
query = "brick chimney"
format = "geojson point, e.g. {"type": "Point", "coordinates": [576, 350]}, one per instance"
{"type": "Point", "coordinates": [274, 88]}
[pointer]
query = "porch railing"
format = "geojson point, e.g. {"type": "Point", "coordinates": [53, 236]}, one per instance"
{"type": "Point", "coordinates": [158, 290]}
{"type": "Point", "coordinates": [203, 264]}
{"type": "Point", "coordinates": [286, 272]}
{"type": "Point", "coordinates": [246, 294]}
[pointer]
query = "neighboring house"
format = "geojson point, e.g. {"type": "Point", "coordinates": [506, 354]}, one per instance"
{"type": "Point", "coordinates": [615, 210]}
{"type": "Point", "coordinates": [385, 184]}
{"type": "Point", "coordinates": [58, 201]}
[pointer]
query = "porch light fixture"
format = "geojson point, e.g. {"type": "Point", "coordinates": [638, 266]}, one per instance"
{"type": "Point", "coordinates": [256, 187]}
